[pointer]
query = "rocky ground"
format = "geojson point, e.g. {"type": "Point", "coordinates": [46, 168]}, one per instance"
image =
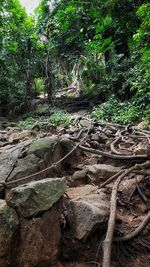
{"type": "Point", "coordinates": [69, 194]}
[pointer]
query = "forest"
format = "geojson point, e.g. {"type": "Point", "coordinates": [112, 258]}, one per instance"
{"type": "Point", "coordinates": [99, 48]}
{"type": "Point", "coordinates": [75, 133]}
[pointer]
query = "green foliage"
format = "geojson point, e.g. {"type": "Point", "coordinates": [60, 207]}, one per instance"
{"type": "Point", "coordinates": [21, 51]}
{"type": "Point", "coordinates": [128, 114]}
{"type": "Point", "coordinates": [140, 72]}
{"type": "Point", "coordinates": [27, 123]}
{"type": "Point", "coordinates": [118, 112]}
{"type": "Point", "coordinates": [39, 85]}
{"type": "Point", "coordinates": [59, 117]}
{"type": "Point", "coordinates": [107, 110]}
{"type": "Point", "coordinates": [101, 45]}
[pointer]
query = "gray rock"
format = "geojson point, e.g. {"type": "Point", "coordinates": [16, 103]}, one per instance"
{"type": "Point", "coordinates": [103, 170]}
{"type": "Point", "coordinates": [80, 177]}
{"type": "Point", "coordinates": [95, 137]}
{"type": "Point", "coordinates": [85, 123]}
{"type": "Point", "coordinates": [34, 197]}
{"type": "Point", "coordinates": [8, 225]}
{"type": "Point", "coordinates": [38, 155]}
{"type": "Point", "coordinates": [67, 145]}
{"type": "Point", "coordinates": [102, 138]}
{"type": "Point", "coordinates": [8, 157]}
{"type": "Point", "coordinates": [79, 174]}
{"type": "Point", "coordinates": [87, 213]}
{"type": "Point", "coordinates": [3, 137]}
{"type": "Point", "coordinates": [36, 127]}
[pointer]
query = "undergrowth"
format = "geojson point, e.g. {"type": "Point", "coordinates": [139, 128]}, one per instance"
{"type": "Point", "coordinates": [27, 123]}
{"type": "Point", "coordinates": [58, 117]}
{"type": "Point", "coordinates": [115, 111]}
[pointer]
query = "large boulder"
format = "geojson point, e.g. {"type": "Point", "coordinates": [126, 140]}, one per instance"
{"type": "Point", "coordinates": [9, 159]}
{"type": "Point", "coordinates": [87, 213]}
{"type": "Point", "coordinates": [40, 240]}
{"type": "Point", "coordinates": [8, 225]}
{"type": "Point", "coordinates": [68, 145]}
{"type": "Point", "coordinates": [32, 198]}
{"type": "Point", "coordinates": [39, 155]}
{"type": "Point", "coordinates": [30, 157]}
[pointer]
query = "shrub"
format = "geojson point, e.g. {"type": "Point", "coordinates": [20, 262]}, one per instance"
{"type": "Point", "coordinates": [59, 117]}
{"type": "Point", "coordinates": [115, 111]}
{"type": "Point", "coordinates": [106, 110]}
{"type": "Point", "coordinates": [27, 123]}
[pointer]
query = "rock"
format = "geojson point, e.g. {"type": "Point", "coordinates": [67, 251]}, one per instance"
{"type": "Point", "coordinates": [39, 155]}
{"type": "Point", "coordinates": [40, 240]}
{"type": "Point", "coordinates": [36, 127]}
{"type": "Point", "coordinates": [67, 145]}
{"type": "Point", "coordinates": [102, 171]}
{"type": "Point", "coordinates": [85, 123]}
{"type": "Point", "coordinates": [95, 137]}
{"type": "Point", "coordinates": [34, 197]}
{"type": "Point", "coordinates": [8, 158]}
{"type": "Point", "coordinates": [8, 225]}
{"type": "Point", "coordinates": [12, 124]}
{"type": "Point", "coordinates": [3, 137]}
{"type": "Point", "coordinates": [103, 138]}
{"type": "Point", "coordinates": [85, 214]}
{"type": "Point", "coordinates": [80, 177]}
{"type": "Point", "coordinates": [141, 148]}
{"type": "Point", "coordinates": [143, 125]}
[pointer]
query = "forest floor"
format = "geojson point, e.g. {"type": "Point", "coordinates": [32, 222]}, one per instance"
{"type": "Point", "coordinates": [111, 159]}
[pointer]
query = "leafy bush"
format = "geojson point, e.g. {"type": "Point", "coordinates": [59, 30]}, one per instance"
{"type": "Point", "coordinates": [106, 110]}
{"type": "Point", "coordinates": [27, 123]}
{"type": "Point", "coordinates": [128, 114]}
{"type": "Point", "coordinates": [59, 117]}
{"type": "Point", "coordinates": [115, 111]}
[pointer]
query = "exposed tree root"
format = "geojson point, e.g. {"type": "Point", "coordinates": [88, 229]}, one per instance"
{"type": "Point", "coordinates": [107, 244]}
{"type": "Point", "coordinates": [136, 232]}
{"type": "Point", "coordinates": [142, 195]}
{"type": "Point", "coordinates": [111, 156]}
{"type": "Point", "coordinates": [111, 226]}
{"type": "Point", "coordinates": [110, 179]}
